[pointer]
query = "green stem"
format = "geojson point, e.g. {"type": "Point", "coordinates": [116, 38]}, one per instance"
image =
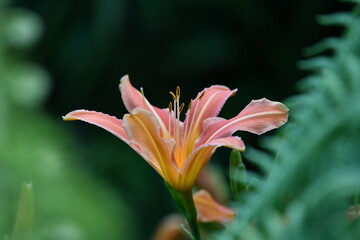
{"type": "Point", "coordinates": [186, 204]}
{"type": "Point", "coordinates": [356, 204]}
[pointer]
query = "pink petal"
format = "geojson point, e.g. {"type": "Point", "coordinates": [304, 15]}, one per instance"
{"type": "Point", "coordinates": [233, 142]}
{"type": "Point", "coordinates": [208, 103]}
{"type": "Point", "coordinates": [107, 122]}
{"type": "Point", "coordinates": [132, 99]}
{"type": "Point", "coordinates": [197, 160]}
{"type": "Point", "coordinates": [211, 211]}
{"type": "Point", "coordinates": [143, 130]}
{"type": "Point", "coordinates": [258, 117]}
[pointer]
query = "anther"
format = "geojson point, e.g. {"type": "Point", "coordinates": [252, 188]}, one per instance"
{"type": "Point", "coordinates": [201, 96]}
{"type": "Point", "coordinates": [190, 104]}
{"type": "Point", "coordinates": [181, 107]}
{"type": "Point", "coordinates": [178, 91]}
{"type": "Point", "coordinates": [170, 107]}
{"type": "Point", "coordinates": [173, 95]}
{"type": "Point", "coordinates": [142, 91]}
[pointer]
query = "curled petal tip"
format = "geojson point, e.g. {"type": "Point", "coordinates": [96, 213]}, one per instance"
{"type": "Point", "coordinates": [124, 78]}
{"type": "Point", "coordinates": [278, 104]}
{"type": "Point", "coordinates": [70, 117]}
{"type": "Point", "coordinates": [284, 107]}
{"type": "Point", "coordinates": [233, 92]}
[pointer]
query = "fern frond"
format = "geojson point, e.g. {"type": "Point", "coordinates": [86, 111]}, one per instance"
{"type": "Point", "coordinates": [312, 183]}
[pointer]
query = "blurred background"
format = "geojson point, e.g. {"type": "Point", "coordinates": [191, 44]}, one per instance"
{"type": "Point", "coordinates": [58, 56]}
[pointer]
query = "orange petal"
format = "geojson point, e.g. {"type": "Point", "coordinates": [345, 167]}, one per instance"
{"type": "Point", "coordinates": [209, 210]}
{"type": "Point", "coordinates": [143, 130]}
{"type": "Point", "coordinates": [107, 122]}
{"type": "Point", "coordinates": [197, 160]}
{"type": "Point", "coordinates": [258, 117]}
{"type": "Point", "coordinates": [192, 166]}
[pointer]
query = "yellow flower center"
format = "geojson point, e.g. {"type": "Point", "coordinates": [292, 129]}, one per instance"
{"type": "Point", "coordinates": [184, 136]}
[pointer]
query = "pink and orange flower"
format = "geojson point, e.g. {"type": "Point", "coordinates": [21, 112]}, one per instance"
{"type": "Point", "coordinates": [176, 149]}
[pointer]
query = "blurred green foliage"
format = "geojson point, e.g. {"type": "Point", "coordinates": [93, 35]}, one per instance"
{"type": "Point", "coordinates": [25, 215]}
{"type": "Point", "coordinates": [310, 187]}
{"type": "Point", "coordinates": [68, 202]}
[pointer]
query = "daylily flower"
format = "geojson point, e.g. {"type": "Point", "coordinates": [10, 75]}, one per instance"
{"type": "Point", "coordinates": [208, 210]}
{"type": "Point", "coordinates": [176, 149]}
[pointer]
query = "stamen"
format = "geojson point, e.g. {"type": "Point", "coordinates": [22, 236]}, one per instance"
{"type": "Point", "coordinates": [190, 104]}
{"type": "Point", "coordinates": [169, 122]}
{"type": "Point", "coordinates": [173, 119]}
{"type": "Point", "coordinates": [143, 96]}
{"type": "Point", "coordinates": [202, 94]}
{"type": "Point", "coordinates": [181, 107]}
{"type": "Point", "coordinates": [178, 91]}
{"type": "Point", "coordinates": [170, 107]}
{"type": "Point", "coordinates": [173, 95]}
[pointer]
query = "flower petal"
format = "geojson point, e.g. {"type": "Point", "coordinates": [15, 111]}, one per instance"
{"type": "Point", "coordinates": [208, 103]}
{"type": "Point", "coordinates": [233, 142]}
{"type": "Point", "coordinates": [196, 161]}
{"type": "Point", "coordinates": [209, 210]}
{"type": "Point", "coordinates": [170, 228]}
{"type": "Point", "coordinates": [107, 122]}
{"type": "Point", "coordinates": [258, 117]}
{"type": "Point", "coordinates": [192, 166]}
{"type": "Point", "coordinates": [132, 99]}
{"type": "Point", "coordinates": [143, 130]}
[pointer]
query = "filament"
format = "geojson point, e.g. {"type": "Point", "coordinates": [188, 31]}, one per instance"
{"type": "Point", "coordinates": [170, 112]}
{"type": "Point", "coordinates": [143, 96]}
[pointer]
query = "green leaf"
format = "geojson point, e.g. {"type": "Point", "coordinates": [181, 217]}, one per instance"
{"type": "Point", "coordinates": [25, 217]}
